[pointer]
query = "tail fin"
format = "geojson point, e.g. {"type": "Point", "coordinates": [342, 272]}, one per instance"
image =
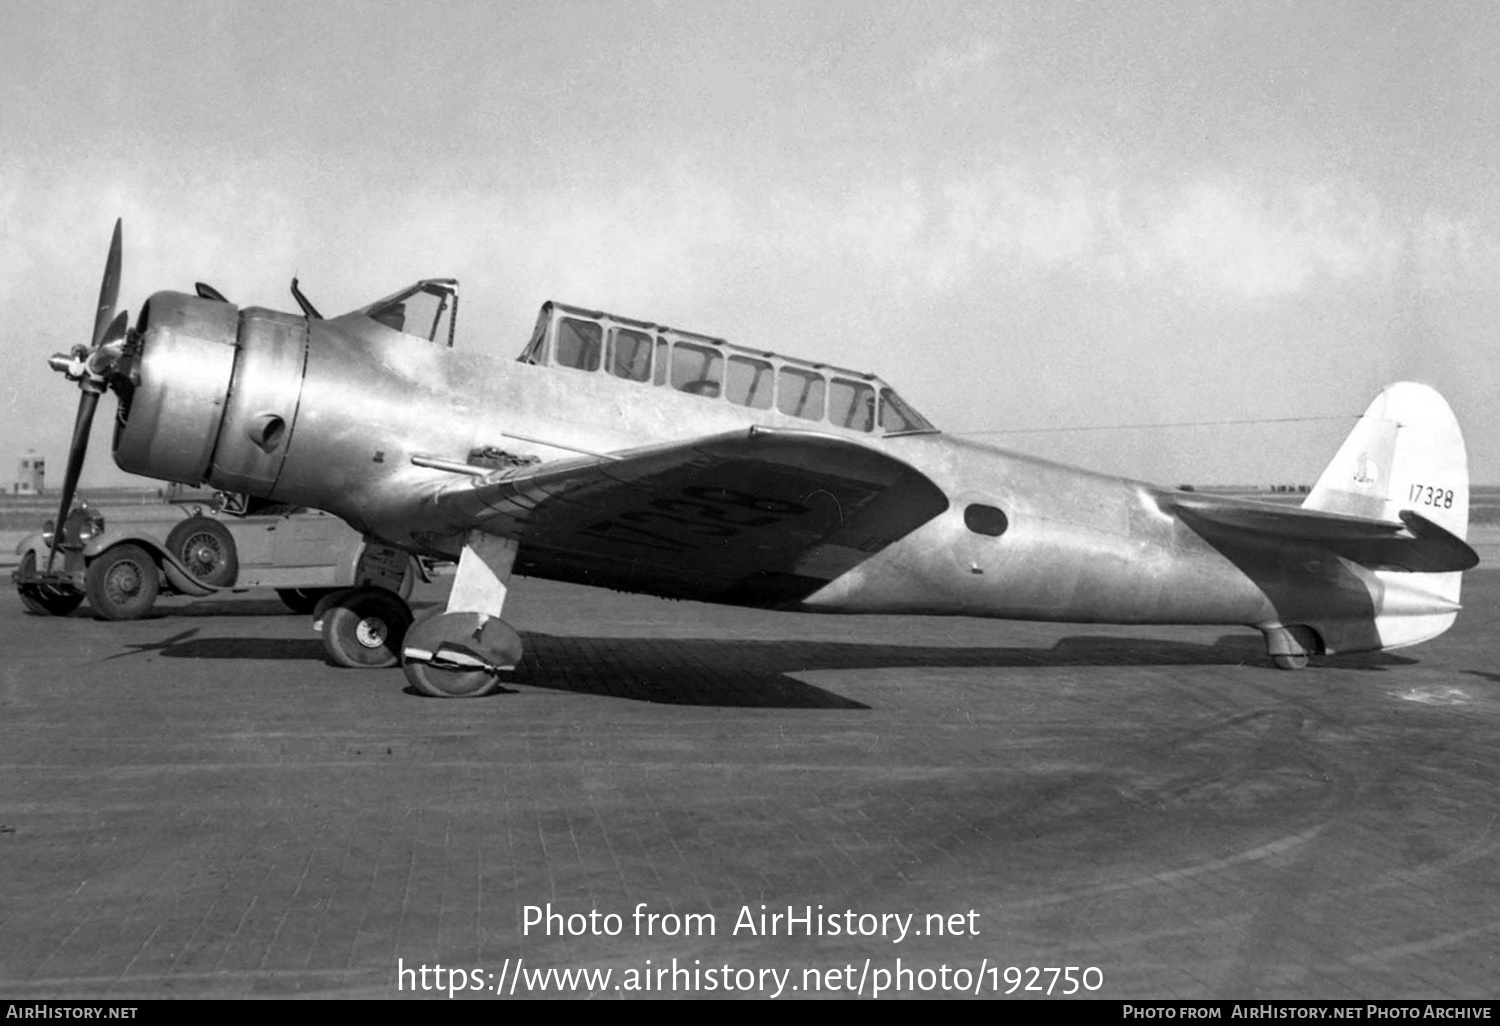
{"type": "Point", "coordinates": [1406, 453]}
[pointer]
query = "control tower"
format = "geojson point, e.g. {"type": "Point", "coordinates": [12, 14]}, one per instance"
{"type": "Point", "coordinates": [33, 477]}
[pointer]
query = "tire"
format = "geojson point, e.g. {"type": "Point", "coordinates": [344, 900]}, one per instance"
{"type": "Point", "coordinates": [302, 600]}
{"type": "Point", "coordinates": [206, 548]}
{"type": "Point", "coordinates": [1306, 642]}
{"type": "Point", "coordinates": [436, 683]}
{"type": "Point", "coordinates": [123, 583]}
{"type": "Point", "coordinates": [46, 599]}
{"type": "Point", "coordinates": [448, 653]}
{"type": "Point", "coordinates": [364, 628]}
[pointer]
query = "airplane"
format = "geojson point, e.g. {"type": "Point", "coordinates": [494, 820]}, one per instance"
{"type": "Point", "coordinates": [624, 454]}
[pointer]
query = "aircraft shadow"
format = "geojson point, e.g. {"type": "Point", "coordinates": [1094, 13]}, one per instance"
{"type": "Point", "coordinates": [697, 671]}
{"type": "Point", "coordinates": [757, 673]}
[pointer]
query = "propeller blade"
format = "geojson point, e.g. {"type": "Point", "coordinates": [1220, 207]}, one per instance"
{"type": "Point", "coordinates": [109, 288]}
{"type": "Point", "coordinates": [108, 328]}
{"type": "Point", "coordinates": [83, 423]}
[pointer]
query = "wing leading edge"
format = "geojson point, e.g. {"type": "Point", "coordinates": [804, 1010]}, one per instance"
{"type": "Point", "coordinates": [762, 518]}
{"type": "Point", "coordinates": [1416, 545]}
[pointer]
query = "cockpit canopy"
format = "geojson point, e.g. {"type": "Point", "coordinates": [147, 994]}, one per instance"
{"type": "Point", "coordinates": [427, 310]}
{"type": "Point", "coordinates": [658, 357]}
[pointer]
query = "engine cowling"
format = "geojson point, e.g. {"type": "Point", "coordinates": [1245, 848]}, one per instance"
{"type": "Point", "coordinates": [215, 394]}
{"type": "Point", "coordinates": [169, 423]}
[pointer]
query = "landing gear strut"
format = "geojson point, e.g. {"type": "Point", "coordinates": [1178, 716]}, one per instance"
{"type": "Point", "coordinates": [461, 652]}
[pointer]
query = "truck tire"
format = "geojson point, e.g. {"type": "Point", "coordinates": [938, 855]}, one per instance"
{"type": "Point", "coordinates": [206, 548]}
{"type": "Point", "coordinates": [364, 628]}
{"type": "Point", "coordinates": [122, 583]}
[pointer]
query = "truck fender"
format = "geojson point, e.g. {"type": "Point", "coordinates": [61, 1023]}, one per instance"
{"type": "Point", "coordinates": [178, 575]}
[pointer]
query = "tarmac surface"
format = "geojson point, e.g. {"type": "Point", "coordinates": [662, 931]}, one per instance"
{"type": "Point", "coordinates": [198, 805]}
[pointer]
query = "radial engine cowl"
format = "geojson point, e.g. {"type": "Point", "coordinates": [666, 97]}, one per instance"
{"type": "Point", "coordinates": [217, 394]}
{"type": "Point", "coordinates": [182, 374]}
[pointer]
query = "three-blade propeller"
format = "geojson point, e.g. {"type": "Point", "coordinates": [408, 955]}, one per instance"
{"type": "Point", "coordinates": [89, 366]}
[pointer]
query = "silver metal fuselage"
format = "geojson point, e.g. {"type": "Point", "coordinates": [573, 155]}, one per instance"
{"type": "Point", "coordinates": [329, 414]}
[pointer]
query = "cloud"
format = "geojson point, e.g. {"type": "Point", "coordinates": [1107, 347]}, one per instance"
{"type": "Point", "coordinates": [1254, 244]}
{"type": "Point", "coordinates": [1454, 254]}
{"type": "Point", "coordinates": [1219, 240]}
{"type": "Point", "coordinates": [951, 66]}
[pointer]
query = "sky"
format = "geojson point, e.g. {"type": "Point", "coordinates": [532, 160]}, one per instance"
{"type": "Point", "coordinates": [1183, 242]}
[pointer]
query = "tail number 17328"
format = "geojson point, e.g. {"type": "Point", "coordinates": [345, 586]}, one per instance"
{"type": "Point", "coordinates": [1428, 495]}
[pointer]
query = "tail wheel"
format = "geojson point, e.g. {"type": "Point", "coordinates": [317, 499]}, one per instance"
{"type": "Point", "coordinates": [46, 599]}
{"type": "Point", "coordinates": [1291, 647]}
{"type": "Point", "coordinates": [206, 548]}
{"type": "Point", "coordinates": [364, 627]}
{"type": "Point", "coordinates": [123, 583]}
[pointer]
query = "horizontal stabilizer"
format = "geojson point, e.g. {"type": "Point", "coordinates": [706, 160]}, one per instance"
{"type": "Point", "coordinates": [1415, 545]}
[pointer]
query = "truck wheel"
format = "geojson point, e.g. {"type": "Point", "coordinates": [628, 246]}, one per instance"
{"type": "Point", "coordinates": [46, 599]}
{"type": "Point", "coordinates": [364, 627]}
{"type": "Point", "coordinates": [206, 548]}
{"type": "Point", "coordinates": [122, 583]}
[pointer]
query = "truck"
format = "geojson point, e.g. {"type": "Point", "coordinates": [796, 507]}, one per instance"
{"type": "Point", "coordinates": [121, 558]}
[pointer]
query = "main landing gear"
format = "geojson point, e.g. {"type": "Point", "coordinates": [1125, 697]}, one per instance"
{"type": "Point", "coordinates": [458, 653]}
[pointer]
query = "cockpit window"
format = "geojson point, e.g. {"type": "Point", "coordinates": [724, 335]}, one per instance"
{"type": "Point", "coordinates": [578, 344]}
{"type": "Point", "coordinates": [898, 418]}
{"type": "Point", "coordinates": [750, 382]}
{"type": "Point", "coordinates": [629, 354]}
{"type": "Point", "coordinates": [800, 393]}
{"type": "Point", "coordinates": [851, 404]}
{"type": "Point", "coordinates": [697, 370]}
{"type": "Point", "coordinates": [427, 310]}
{"type": "Point", "coordinates": [392, 315]}
{"type": "Point", "coordinates": [648, 355]}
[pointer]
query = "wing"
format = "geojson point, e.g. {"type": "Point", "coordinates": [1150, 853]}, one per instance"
{"type": "Point", "coordinates": [764, 517]}
{"type": "Point", "coordinates": [1416, 545]}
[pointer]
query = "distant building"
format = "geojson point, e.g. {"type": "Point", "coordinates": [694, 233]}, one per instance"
{"type": "Point", "coordinates": [33, 477]}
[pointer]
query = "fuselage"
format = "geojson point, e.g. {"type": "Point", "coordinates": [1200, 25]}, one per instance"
{"type": "Point", "coordinates": [330, 414]}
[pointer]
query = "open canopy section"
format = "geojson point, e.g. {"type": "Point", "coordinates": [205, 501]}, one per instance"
{"type": "Point", "coordinates": [653, 356]}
